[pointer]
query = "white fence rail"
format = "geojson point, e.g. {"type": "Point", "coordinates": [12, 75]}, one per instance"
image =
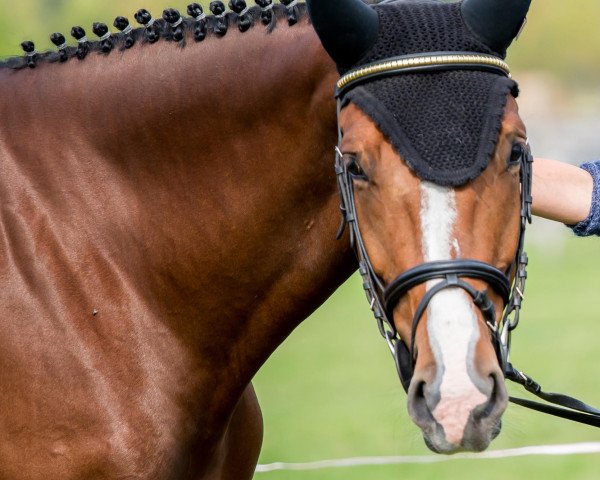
{"type": "Point", "coordinates": [541, 450]}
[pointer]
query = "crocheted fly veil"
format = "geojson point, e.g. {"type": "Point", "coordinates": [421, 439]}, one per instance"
{"type": "Point", "coordinates": [444, 124]}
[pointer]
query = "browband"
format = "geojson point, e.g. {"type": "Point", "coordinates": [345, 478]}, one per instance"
{"type": "Point", "coordinates": [421, 63]}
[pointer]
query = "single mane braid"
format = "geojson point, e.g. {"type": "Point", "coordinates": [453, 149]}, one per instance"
{"type": "Point", "coordinates": [144, 17]}
{"type": "Point", "coordinates": [173, 18]}
{"type": "Point", "coordinates": [59, 40]}
{"type": "Point", "coordinates": [266, 10]}
{"type": "Point", "coordinates": [195, 10]}
{"type": "Point", "coordinates": [101, 30]}
{"type": "Point", "coordinates": [217, 7]}
{"type": "Point", "coordinates": [29, 49]}
{"type": "Point", "coordinates": [240, 7]}
{"type": "Point", "coordinates": [293, 13]}
{"type": "Point", "coordinates": [200, 28]}
{"type": "Point", "coordinates": [172, 26]}
{"type": "Point", "coordinates": [122, 24]}
{"type": "Point", "coordinates": [83, 48]}
{"type": "Point", "coordinates": [221, 22]}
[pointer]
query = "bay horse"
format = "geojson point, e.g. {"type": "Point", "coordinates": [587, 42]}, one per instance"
{"type": "Point", "coordinates": [168, 215]}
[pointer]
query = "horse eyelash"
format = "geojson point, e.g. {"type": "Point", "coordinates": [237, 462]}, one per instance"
{"type": "Point", "coordinates": [353, 164]}
{"type": "Point", "coordinates": [516, 154]}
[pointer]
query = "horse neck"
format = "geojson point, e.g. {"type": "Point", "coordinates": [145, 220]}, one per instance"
{"type": "Point", "coordinates": [192, 97]}
{"type": "Point", "coordinates": [201, 176]}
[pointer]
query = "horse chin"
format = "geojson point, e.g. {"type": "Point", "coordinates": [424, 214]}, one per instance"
{"type": "Point", "coordinates": [435, 439]}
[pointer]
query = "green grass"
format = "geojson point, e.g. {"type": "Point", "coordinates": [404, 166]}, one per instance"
{"type": "Point", "coordinates": [331, 390]}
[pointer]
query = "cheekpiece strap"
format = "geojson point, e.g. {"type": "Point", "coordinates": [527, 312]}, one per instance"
{"type": "Point", "coordinates": [422, 63]}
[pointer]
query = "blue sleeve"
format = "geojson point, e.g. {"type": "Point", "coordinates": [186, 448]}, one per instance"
{"type": "Point", "coordinates": [591, 225]}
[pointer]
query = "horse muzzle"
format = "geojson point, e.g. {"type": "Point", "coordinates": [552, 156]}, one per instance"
{"type": "Point", "coordinates": [459, 417]}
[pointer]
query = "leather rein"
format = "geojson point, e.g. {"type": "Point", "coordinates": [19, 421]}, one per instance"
{"type": "Point", "coordinates": [384, 298]}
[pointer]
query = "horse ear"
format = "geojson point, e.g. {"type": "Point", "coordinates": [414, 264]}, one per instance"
{"type": "Point", "coordinates": [347, 28]}
{"type": "Point", "coordinates": [496, 22]}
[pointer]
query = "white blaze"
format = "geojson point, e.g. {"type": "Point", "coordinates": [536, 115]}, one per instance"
{"type": "Point", "coordinates": [451, 320]}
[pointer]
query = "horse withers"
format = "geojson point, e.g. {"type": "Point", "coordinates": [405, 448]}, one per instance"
{"type": "Point", "coordinates": [168, 213]}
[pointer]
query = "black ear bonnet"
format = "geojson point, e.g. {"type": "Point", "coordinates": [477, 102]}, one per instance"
{"type": "Point", "coordinates": [444, 124]}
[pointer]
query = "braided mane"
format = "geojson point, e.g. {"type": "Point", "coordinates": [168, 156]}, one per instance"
{"type": "Point", "coordinates": [190, 29]}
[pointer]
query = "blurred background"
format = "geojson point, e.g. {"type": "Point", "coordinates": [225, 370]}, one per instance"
{"type": "Point", "coordinates": [331, 390]}
{"type": "Point", "coordinates": [555, 60]}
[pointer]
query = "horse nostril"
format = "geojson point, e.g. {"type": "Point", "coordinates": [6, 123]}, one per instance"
{"type": "Point", "coordinates": [417, 403]}
{"type": "Point", "coordinates": [420, 391]}
{"type": "Point", "coordinates": [498, 397]}
{"type": "Point", "coordinates": [496, 429]}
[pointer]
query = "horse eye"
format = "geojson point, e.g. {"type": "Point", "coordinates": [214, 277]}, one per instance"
{"type": "Point", "coordinates": [355, 169]}
{"type": "Point", "coordinates": [516, 155]}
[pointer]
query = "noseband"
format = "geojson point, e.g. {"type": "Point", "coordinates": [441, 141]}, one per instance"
{"type": "Point", "coordinates": [449, 273]}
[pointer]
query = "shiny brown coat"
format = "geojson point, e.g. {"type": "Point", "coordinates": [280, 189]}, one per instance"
{"type": "Point", "coordinates": [167, 218]}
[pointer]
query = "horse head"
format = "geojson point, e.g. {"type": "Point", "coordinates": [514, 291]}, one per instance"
{"type": "Point", "coordinates": [433, 170]}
